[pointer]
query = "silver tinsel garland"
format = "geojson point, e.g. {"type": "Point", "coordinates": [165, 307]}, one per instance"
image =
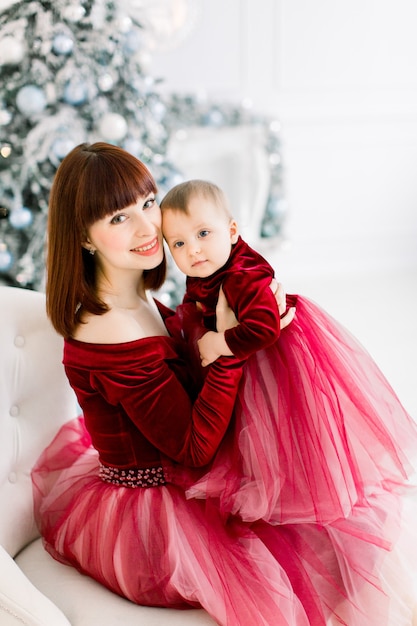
{"type": "Point", "coordinates": [73, 71]}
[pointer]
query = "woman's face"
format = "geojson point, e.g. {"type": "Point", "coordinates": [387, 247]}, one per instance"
{"type": "Point", "coordinates": [129, 238]}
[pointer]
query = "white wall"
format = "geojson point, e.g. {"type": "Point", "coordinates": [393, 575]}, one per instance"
{"type": "Point", "coordinates": [341, 75]}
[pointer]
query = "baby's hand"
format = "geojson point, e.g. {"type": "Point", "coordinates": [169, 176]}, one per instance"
{"type": "Point", "coordinates": [206, 347]}
{"type": "Point", "coordinates": [211, 346]}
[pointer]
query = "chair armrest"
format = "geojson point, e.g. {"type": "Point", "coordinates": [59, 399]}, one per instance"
{"type": "Point", "coordinates": [20, 601]}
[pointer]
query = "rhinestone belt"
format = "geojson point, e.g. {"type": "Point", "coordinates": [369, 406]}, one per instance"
{"type": "Point", "coordinates": [146, 477]}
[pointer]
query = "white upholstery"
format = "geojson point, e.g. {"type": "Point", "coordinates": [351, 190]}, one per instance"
{"type": "Point", "coordinates": [35, 399]}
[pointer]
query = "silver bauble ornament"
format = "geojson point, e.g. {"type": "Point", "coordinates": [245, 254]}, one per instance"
{"type": "Point", "coordinates": [11, 51]}
{"type": "Point", "coordinates": [31, 100]}
{"type": "Point", "coordinates": [113, 126]}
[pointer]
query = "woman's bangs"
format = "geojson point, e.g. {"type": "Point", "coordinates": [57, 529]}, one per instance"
{"type": "Point", "coordinates": [110, 189]}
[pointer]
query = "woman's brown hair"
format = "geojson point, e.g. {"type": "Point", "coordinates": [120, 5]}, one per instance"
{"type": "Point", "coordinates": [93, 181]}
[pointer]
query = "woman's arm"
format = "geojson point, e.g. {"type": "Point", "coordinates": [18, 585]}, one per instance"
{"type": "Point", "coordinates": [212, 345]}
{"type": "Point", "coordinates": [160, 407]}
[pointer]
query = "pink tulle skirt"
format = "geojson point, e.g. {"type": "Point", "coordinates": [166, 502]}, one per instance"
{"type": "Point", "coordinates": [318, 430]}
{"type": "Point", "coordinates": [305, 518]}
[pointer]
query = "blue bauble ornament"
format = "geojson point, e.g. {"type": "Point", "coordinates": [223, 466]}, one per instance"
{"type": "Point", "coordinates": [158, 110]}
{"type": "Point", "coordinates": [60, 148]}
{"type": "Point", "coordinates": [132, 42]}
{"type": "Point", "coordinates": [21, 217]}
{"type": "Point", "coordinates": [31, 100]}
{"type": "Point", "coordinates": [5, 116]}
{"type": "Point", "coordinates": [134, 146]}
{"type": "Point", "coordinates": [62, 44]}
{"type": "Point", "coordinates": [6, 258]}
{"type": "Point", "coordinates": [75, 92]}
{"type": "Point", "coordinates": [214, 117]}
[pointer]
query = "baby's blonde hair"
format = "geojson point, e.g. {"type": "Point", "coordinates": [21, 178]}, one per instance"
{"type": "Point", "coordinates": [178, 197]}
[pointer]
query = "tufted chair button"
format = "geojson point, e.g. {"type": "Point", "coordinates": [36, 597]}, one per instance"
{"type": "Point", "coordinates": [12, 477]}
{"type": "Point", "coordinates": [14, 411]}
{"type": "Point", "coordinates": [19, 341]}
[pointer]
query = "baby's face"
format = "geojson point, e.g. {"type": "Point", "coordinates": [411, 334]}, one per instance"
{"type": "Point", "coordinates": [201, 241]}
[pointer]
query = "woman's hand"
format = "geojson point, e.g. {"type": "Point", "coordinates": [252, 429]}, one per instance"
{"type": "Point", "coordinates": [280, 296]}
{"type": "Point", "coordinates": [226, 318]}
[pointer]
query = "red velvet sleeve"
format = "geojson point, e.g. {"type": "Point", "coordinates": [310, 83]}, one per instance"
{"type": "Point", "coordinates": [250, 297]}
{"type": "Point", "coordinates": [159, 406]}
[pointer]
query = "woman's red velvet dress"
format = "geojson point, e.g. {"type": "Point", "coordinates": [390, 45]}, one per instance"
{"type": "Point", "coordinates": [317, 538]}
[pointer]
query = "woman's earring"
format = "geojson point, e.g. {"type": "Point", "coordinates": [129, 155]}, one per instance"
{"type": "Point", "coordinates": [91, 251]}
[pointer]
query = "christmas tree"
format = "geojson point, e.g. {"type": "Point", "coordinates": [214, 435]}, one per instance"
{"type": "Point", "coordinates": [69, 72]}
{"type": "Point", "coordinates": [73, 71]}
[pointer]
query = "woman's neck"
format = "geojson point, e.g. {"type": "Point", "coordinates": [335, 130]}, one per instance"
{"type": "Point", "coordinates": [123, 292]}
{"type": "Point", "coordinates": [132, 314]}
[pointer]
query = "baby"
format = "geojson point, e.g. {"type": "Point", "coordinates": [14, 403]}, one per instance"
{"type": "Point", "coordinates": [316, 428]}
{"type": "Point", "coordinates": [204, 241]}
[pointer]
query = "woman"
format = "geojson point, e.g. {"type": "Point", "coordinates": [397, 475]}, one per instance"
{"type": "Point", "coordinates": [110, 490]}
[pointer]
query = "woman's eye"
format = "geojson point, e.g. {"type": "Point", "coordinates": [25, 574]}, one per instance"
{"type": "Point", "coordinates": [118, 219]}
{"type": "Point", "coordinates": [149, 202]}
{"type": "Point", "coordinates": [203, 233]}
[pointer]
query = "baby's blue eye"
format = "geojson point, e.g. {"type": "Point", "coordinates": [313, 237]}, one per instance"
{"type": "Point", "coordinates": [203, 233]}
{"type": "Point", "coordinates": [178, 244]}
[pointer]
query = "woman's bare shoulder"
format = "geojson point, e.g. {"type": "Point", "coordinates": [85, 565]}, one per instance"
{"type": "Point", "coordinates": [111, 327]}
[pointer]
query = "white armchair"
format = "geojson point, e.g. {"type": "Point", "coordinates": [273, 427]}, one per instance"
{"type": "Point", "coordinates": [35, 399]}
